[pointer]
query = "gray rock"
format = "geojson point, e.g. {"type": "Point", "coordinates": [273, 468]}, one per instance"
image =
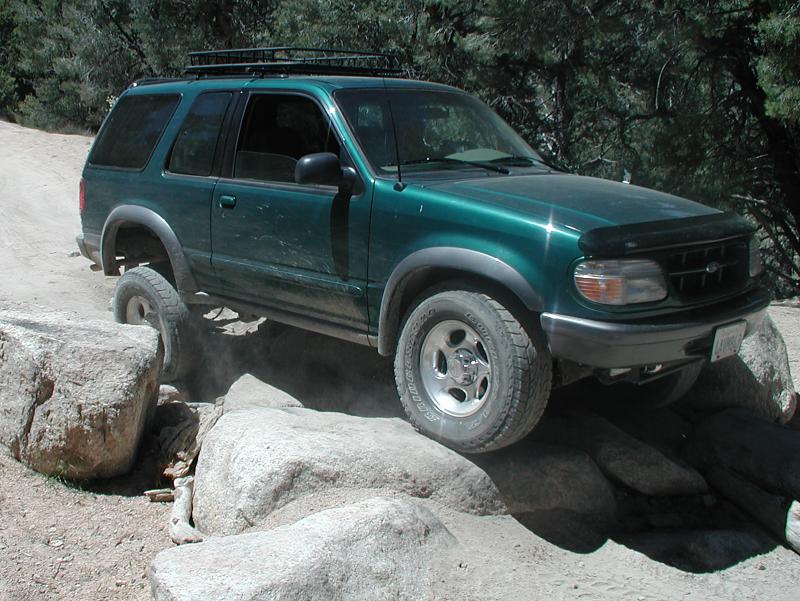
{"type": "Point", "coordinates": [786, 315]}
{"type": "Point", "coordinates": [759, 450]}
{"type": "Point", "coordinates": [75, 396]}
{"type": "Point", "coordinates": [758, 379]}
{"type": "Point", "coordinates": [622, 457]}
{"type": "Point", "coordinates": [257, 461]}
{"type": "Point", "coordinates": [544, 477]}
{"type": "Point", "coordinates": [376, 549]}
{"type": "Point", "coordinates": [249, 392]}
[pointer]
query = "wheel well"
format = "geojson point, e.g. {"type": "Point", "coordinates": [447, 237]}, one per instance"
{"type": "Point", "coordinates": [423, 282]}
{"type": "Point", "coordinates": [136, 245]}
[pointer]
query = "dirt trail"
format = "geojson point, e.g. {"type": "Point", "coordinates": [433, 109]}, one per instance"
{"type": "Point", "coordinates": [39, 177]}
{"type": "Point", "coordinates": [58, 541]}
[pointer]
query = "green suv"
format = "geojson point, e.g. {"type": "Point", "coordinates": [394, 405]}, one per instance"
{"type": "Point", "coordinates": [318, 189]}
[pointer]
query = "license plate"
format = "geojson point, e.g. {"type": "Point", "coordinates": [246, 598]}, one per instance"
{"type": "Point", "coordinates": [727, 340]}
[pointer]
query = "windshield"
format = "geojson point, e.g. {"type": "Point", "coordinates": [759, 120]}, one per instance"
{"type": "Point", "coordinates": [435, 130]}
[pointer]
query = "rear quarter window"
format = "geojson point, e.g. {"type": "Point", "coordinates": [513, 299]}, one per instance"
{"type": "Point", "coordinates": [132, 130]}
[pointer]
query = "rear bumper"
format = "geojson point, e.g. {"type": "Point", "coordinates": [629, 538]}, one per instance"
{"type": "Point", "coordinates": [680, 337]}
{"type": "Point", "coordinates": [89, 247]}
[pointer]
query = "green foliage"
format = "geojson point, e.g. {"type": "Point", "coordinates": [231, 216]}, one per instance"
{"type": "Point", "coordinates": [87, 51]}
{"type": "Point", "coordinates": [779, 66]}
{"type": "Point", "coordinates": [698, 98]}
{"type": "Point", "coordinates": [11, 86]}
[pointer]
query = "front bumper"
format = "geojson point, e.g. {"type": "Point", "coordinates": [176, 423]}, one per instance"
{"type": "Point", "coordinates": [678, 337]}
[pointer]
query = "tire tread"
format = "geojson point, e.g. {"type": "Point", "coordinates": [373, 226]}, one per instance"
{"type": "Point", "coordinates": [528, 389]}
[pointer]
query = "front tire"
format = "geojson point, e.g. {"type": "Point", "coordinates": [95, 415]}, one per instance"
{"type": "Point", "coordinates": [145, 297]}
{"type": "Point", "coordinates": [469, 374]}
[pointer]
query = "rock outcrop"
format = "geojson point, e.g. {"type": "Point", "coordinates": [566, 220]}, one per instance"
{"type": "Point", "coordinates": [75, 396]}
{"type": "Point", "coordinates": [377, 549]}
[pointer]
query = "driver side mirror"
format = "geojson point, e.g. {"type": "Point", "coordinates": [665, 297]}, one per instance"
{"type": "Point", "coordinates": [324, 169]}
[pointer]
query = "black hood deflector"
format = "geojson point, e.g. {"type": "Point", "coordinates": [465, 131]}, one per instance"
{"type": "Point", "coordinates": [637, 238]}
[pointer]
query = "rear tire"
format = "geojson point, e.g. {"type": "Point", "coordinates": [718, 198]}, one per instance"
{"type": "Point", "coordinates": [469, 374]}
{"type": "Point", "coordinates": [145, 297]}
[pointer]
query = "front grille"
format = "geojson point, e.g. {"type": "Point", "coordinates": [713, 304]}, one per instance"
{"type": "Point", "coordinates": [708, 271]}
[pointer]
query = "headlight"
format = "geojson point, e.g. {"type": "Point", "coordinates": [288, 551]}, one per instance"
{"type": "Point", "coordinates": [620, 282]}
{"type": "Point", "coordinates": [756, 265]}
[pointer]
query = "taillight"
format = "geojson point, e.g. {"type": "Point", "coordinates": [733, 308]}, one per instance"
{"type": "Point", "coordinates": [82, 196]}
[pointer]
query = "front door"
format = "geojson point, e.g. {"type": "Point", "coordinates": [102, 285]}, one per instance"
{"type": "Point", "coordinates": [292, 248]}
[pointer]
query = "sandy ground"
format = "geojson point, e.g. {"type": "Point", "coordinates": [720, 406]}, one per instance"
{"type": "Point", "coordinates": [39, 260]}
{"type": "Point", "coordinates": [58, 541]}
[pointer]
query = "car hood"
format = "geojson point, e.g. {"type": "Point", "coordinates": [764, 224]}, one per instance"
{"type": "Point", "coordinates": [577, 202]}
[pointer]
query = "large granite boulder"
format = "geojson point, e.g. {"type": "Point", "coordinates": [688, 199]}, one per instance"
{"type": "Point", "coordinates": [75, 396]}
{"type": "Point", "coordinates": [255, 462]}
{"type": "Point", "coordinates": [377, 549]}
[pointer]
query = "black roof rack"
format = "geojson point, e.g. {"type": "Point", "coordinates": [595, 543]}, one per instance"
{"type": "Point", "coordinates": [285, 60]}
{"type": "Point", "coordinates": [149, 81]}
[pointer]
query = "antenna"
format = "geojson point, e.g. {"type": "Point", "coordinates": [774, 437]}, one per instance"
{"type": "Point", "coordinates": [400, 186]}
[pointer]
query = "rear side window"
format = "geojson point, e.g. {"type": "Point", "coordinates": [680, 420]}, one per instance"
{"type": "Point", "coordinates": [193, 153]}
{"type": "Point", "coordinates": [132, 130]}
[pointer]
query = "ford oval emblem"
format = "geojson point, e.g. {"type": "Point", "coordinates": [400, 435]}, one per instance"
{"type": "Point", "coordinates": [713, 267]}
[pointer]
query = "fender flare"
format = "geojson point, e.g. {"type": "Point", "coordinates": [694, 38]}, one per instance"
{"type": "Point", "coordinates": [446, 257]}
{"type": "Point", "coordinates": [138, 215]}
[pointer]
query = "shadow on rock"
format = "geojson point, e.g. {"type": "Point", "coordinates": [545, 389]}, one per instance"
{"type": "Point", "coordinates": [582, 478]}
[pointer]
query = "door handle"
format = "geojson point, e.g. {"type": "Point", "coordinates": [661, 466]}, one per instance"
{"type": "Point", "coordinates": [227, 202]}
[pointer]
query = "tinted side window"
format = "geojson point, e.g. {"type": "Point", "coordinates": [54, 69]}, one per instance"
{"type": "Point", "coordinates": [193, 153]}
{"type": "Point", "coordinates": [132, 130]}
{"type": "Point", "coordinates": [276, 131]}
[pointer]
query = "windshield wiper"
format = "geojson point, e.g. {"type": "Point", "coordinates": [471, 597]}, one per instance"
{"type": "Point", "coordinates": [529, 160]}
{"type": "Point", "coordinates": [486, 166]}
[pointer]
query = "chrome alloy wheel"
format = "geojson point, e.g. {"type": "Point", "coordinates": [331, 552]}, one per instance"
{"type": "Point", "coordinates": [139, 312]}
{"type": "Point", "coordinates": [455, 368]}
